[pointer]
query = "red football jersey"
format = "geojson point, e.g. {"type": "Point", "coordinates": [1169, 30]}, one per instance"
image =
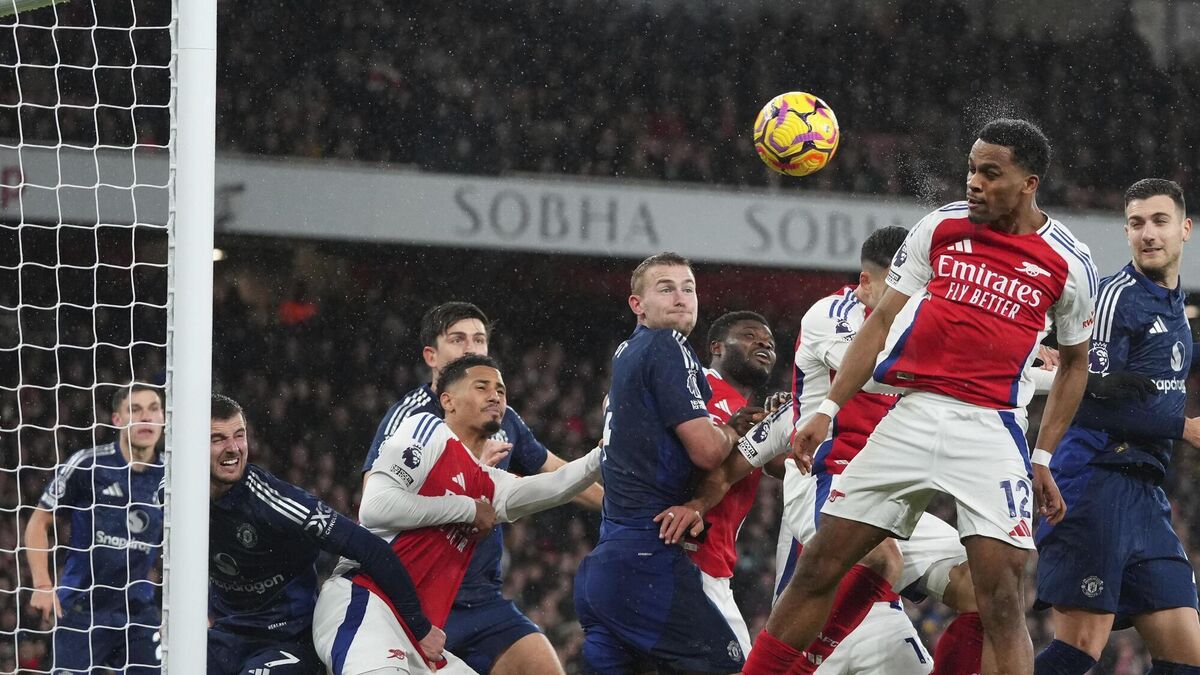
{"type": "Point", "coordinates": [980, 303]}
{"type": "Point", "coordinates": [717, 555]}
{"type": "Point", "coordinates": [425, 457]}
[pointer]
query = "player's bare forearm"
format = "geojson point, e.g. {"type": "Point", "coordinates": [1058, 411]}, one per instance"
{"type": "Point", "coordinates": [591, 498]}
{"type": "Point", "coordinates": [37, 547]}
{"type": "Point", "coordinates": [1065, 394]}
{"type": "Point", "coordinates": [716, 483]}
{"type": "Point", "coordinates": [859, 361]}
{"type": "Point", "coordinates": [526, 495]}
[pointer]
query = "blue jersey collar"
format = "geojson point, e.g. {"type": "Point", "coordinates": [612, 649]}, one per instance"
{"type": "Point", "coordinates": [1153, 288]}
{"type": "Point", "coordinates": [232, 498]}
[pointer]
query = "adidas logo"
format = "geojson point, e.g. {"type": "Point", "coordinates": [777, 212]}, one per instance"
{"type": "Point", "coordinates": [963, 246]}
{"type": "Point", "coordinates": [1159, 326]}
{"type": "Point", "coordinates": [462, 482]}
{"type": "Point", "coordinates": [113, 490]}
{"type": "Point", "coordinates": [724, 405]}
{"type": "Point", "coordinates": [1021, 530]}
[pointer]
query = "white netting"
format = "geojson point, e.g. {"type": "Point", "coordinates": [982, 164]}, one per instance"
{"type": "Point", "coordinates": [85, 112]}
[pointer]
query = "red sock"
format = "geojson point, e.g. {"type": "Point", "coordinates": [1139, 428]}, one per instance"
{"type": "Point", "coordinates": [858, 590]}
{"type": "Point", "coordinates": [960, 649]}
{"type": "Point", "coordinates": [769, 656]}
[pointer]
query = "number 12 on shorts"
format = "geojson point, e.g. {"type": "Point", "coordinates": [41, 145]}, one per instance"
{"type": "Point", "coordinates": [1013, 490]}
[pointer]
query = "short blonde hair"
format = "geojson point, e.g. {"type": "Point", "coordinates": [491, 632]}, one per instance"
{"type": "Point", "coordinates": [664, 259]}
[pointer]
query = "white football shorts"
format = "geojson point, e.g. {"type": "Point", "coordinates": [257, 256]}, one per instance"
{"type": "Point", "coordinates": [355, 632]}
{"type": "Point", "coordinates": [931, 443]}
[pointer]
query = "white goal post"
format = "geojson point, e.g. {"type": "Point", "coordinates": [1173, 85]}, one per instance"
{"type": "Point", "coordinates": [189, 382]}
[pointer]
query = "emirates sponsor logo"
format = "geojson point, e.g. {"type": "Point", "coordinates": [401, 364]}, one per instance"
{"type": "Point", "coordinates": [979, 285]}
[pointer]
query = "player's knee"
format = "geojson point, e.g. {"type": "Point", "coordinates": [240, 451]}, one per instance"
{"type": "Point", "coordinates": [532, 653]}
{"type": "Point", "coordinates": [885, 560]}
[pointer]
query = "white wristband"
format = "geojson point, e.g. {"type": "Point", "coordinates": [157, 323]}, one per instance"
{"type": "Point", "coordinates": [828, 407]}
{"type": "Point", "coordinates": [1041, 457]}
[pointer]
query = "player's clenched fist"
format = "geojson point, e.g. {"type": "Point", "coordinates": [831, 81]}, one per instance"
{"type": "Point", "coordinates": [433, 645]}
{"type": "Point", "coordinates": [1049, 500]}
{"type": "Point", "coordinates": [745, 419]}
{"type": "Point", "coordinates": [807, 438]}
{"type": "Point", "coordinates": [485, 520]}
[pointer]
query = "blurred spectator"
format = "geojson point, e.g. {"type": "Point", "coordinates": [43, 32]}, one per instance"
{"type": "Point", "coordinates": [661, 91]}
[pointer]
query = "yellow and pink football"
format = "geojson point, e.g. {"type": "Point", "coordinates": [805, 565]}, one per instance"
{"type": "Point", "coordinates": [796, 133]}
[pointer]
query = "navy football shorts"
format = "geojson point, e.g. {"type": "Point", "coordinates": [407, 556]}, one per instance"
{"type": "Point", "coordinates": [1116, 551]}
{"type": "Point", "coordinates": [232, 654]}
{"type": "Point", "coordinates": [643, 607]}
{"type": "Point", "coordinates": [479, 633]}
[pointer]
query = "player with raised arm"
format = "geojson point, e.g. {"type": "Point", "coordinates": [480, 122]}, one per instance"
{"type": "Point", "coordinates": [485, 629]}
{"type": "Point", "coordinates": [104, 603]}
{"type": "Point", "coordinates": [264, 538]}
{"type": "Point", "coordinates": [641, 600]}
{"type": "Point", "coordinates": [1115, 557]}
{"type": "Point", "coordinates": [431, 499]}
{"type": "Point", "coordinates": [742, 350]}
{"type": "Point", "coordinates": [971, 294]}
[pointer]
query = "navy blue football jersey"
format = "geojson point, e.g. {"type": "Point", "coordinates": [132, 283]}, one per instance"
{"type": "Point", "coordinates": [1140, 327]}
{"type": "Point", "coordinates": [657, 384]}
{"type": "Point", "coordinates": [264, 539]}
{"type": "Point", "coordinates": [116, 529]}
{"type": "Point", "coordinates": [483, 579]}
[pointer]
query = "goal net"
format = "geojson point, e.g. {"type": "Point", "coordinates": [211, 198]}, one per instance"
{"type": "Point", "coordinates": [88, 304]}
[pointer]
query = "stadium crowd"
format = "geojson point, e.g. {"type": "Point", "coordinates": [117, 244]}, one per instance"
{"type": "Point", "coordinates": [489, 89]}
{"type": "Point", "coordinates": [520, 88]}
{"type": "Point", "coordinates": [318, 356]}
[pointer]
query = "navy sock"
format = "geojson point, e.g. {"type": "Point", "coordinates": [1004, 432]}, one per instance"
{"type": "Point", "coordinates": [1060, 658]}
{"type": "Point", "coordinates": [1167, 668]}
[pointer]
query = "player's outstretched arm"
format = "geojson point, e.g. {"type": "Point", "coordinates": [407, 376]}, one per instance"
{"type": "Point", "coordinates": [37, 553]}
{"type": "Point", "coordinates": [592, 498]}
{"type": "Point", "coordinates": [386, 504]}
{"type": "Point", "coordinates": [517, 497]}
{"type": "Point", "coordinates": [1070, 380]}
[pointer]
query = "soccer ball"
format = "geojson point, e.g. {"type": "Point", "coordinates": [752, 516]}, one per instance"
{"type": "Point", "coordinates": [796, 133]}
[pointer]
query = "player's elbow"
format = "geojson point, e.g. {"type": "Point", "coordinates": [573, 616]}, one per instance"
{"type": "Point", "coordinates": [369, 513]}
